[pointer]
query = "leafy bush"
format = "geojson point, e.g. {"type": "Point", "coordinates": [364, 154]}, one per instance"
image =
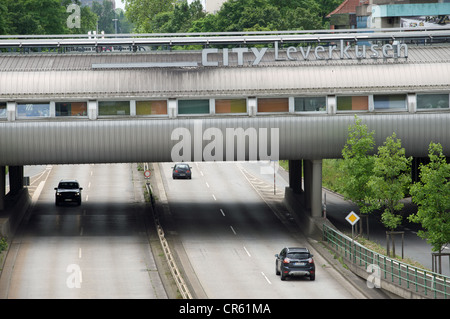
{"type": "Point", "coordinates": [3, 244]}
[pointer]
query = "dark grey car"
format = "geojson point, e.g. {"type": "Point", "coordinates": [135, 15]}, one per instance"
{"type": "Point", "coordinates": [182, 170]}
{"type": "Point", "coordinates": [295, 261]}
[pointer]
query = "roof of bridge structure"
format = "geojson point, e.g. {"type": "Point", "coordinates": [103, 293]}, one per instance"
{"type": "Point", "coordinates": [124, 60]}
{"type": "Point", "coordinates": [183, 73]}
{"type": "Point", "coordinates": [10, 62]}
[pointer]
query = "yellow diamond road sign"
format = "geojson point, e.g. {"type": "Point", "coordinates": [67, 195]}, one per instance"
{"type": "Point", "coordinates": [352, 218]}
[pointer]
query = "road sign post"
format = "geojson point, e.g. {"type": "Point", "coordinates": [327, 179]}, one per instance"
{"type": "Point", "coordinates": [147, 174]}
{"type": "Point", "coordinates": [352, 218]}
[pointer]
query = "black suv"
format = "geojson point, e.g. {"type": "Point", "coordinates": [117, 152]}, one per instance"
{"type": "Point", "coordinates": [68, 191]}
{"type": "Point", "coordinates": [295, 261]}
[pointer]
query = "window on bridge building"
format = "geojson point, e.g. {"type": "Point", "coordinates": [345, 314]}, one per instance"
{"type": "Point", "coordinates": [432, 101]}
{"type": "Point", "coordinates": [231, 106]}
{"type": "Point", "coordinates": [352, 103]}
{"type": "Point", "coordinates": [33, 110]}
{"type": "Point", "coordinates": [193, 107]}
{"type": "Point", "coordinates": [394, 101]}
{"type": "Point", "coordinates": [2, 110]}
{"type": "Point", "coordinates": [151, 107]}
{"type": "Point", "coordinates": [113, 108]}
{"type": "Point", "coordinates": [273, 105]}
{"type": "Point", "coordinates": [71, 109]}
{"type": "Point", "coordinates": [310, 104]}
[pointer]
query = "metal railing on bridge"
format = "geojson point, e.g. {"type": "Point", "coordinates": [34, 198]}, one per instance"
{"type": "Point", "coordinates": [416, 280]}
{"type": "Point", "coordinates": [135, 41]}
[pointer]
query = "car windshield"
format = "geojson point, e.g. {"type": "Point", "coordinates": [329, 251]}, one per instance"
{"type": "Point", "coordinates": [182, 166]}
{"type": "Point", "coordinates": [68, 185]}
{"type": "Point", "coordinates": [298, 255]}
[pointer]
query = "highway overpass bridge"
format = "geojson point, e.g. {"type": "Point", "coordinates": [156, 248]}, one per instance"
{"type": "Point", "coordinates": [272, 96]}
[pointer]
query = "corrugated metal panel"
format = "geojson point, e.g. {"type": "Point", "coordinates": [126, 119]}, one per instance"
{"type": "Point", "coordinates": [31, 62]}
{"type": "Point", "coordinates": [70, 61]}
{"type": "Point", "coordinates": [222, 81]}
{"type": "Point", "coordinates": [107, 141]}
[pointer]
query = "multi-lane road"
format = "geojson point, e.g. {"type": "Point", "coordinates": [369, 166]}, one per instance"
{"type": "Point", "coordinates": [227, 233]}
{"type": "Point", "coordinates": [230, 236]}
{"type": "Point", "coordinates": [99, 249]}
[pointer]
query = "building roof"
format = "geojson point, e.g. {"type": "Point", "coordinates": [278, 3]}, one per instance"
{"type": "Point", "coordinates": [348, 6]}
{"type": "Point", "coordinates": [48, 76]}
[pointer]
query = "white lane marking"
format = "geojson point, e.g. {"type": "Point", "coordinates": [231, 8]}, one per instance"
{"type": "Point", "coordinates": [214, 197]}
{"type": "Point", "coordinates": [79, 252]}
{"type": "Point", "coordinates": [233, 230]}
{"type": "Point", "coordinates": [247, 252]}
{"type": "Point", "coordinates": [37, 192]}
{"type": "Point", "coordinates": [201, 173]}
{"type": "Point", "coordinates": [266, 278]}
{"type": "Point", "coordinates": [39, 175]}
{"type": "Point", "coordinates": [207, 185]}
{"type": "Point", "coordinates": [87, 198]}
{"type": "Point", "coordinates": [221, 210]}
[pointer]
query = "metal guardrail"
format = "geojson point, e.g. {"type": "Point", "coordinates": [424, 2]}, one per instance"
{"type": "Point", "coordinates": [223, 38]}
{"type": "Point", "coordinates": [419, 281]}
{"type": "Point", "coordinates": [181, 284]}
{"type": "Point", "coordinates": [182, 287]}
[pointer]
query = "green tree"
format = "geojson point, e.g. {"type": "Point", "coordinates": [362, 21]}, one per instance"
{"type": "Point", "coordinates": [247, 15]}
{"type": "Point", "coordinates": [298, 14]}
{"type": "Point", "coordinates": [326, 7]}
{"type": "Point", "coordinates": [301, 19]}
{"type": "Point", "coordinates": [234, 15]}
{"type": "Point", "coordinates": [5, 24]}
{"type": "Point", "coordinates": [390, 181]}
{"type": "Point", "coordinates": [180, 19]}
{"type": "Point", "coordinates": [205, 24]}
{"type": "Point", "coordinates": [357, 164]}
{"type": "Point", "coordinates": [3, 244]}
{"type": "Point", "coordinates": [36, 16]}
{"type": "Point", "coordinates": [432, 196]}
{"type": "Point", "coordinates": [43, 17]}
{"type": "Point", "coordinates": [124, 25]}
{"type": "Point", "coordinates": [88, 20]}
{"type": "Point", "coordinates": [106, 16]}
{"type": "Point", "coordinates": [142, 12]}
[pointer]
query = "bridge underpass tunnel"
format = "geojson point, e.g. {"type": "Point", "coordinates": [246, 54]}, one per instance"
{"type": "Point", "coordinates": [2, 187]}
{"type": "Point", "coordinates": [295, 176]}
{"type": "Point", "coordinates": [311, 194]}
{"type": "Point", "coordinates": [15, 179]}
{"type": "Point", "coordinates": [15, 182]}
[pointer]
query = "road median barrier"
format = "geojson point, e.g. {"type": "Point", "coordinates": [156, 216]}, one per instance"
{"type": "Point", "coordinates": [181, 284]}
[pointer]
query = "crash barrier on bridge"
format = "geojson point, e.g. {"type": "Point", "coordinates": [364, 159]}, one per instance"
{"type": "Point", "coordinates": [181, 285]}
{"type": "Point", "coordinates": [387, 273]}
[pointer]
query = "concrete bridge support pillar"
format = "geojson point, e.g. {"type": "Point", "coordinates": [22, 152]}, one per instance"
{"type": "Point", "coordinates": [2, 187]}
{"type": "Point", "coordinates": [316, 186]}
{"type": "Point", "coordinates": [313, 186]}
{"type": "Point", "coordinates": [15, 179]}
{"type": "Point", "coordinates": [307, 176]}
{"type": "Point", "coordinates": [295, 176]}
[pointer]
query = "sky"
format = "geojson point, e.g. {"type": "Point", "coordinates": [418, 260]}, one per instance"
{"type": "Point", "coordinates": [119, 4]}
